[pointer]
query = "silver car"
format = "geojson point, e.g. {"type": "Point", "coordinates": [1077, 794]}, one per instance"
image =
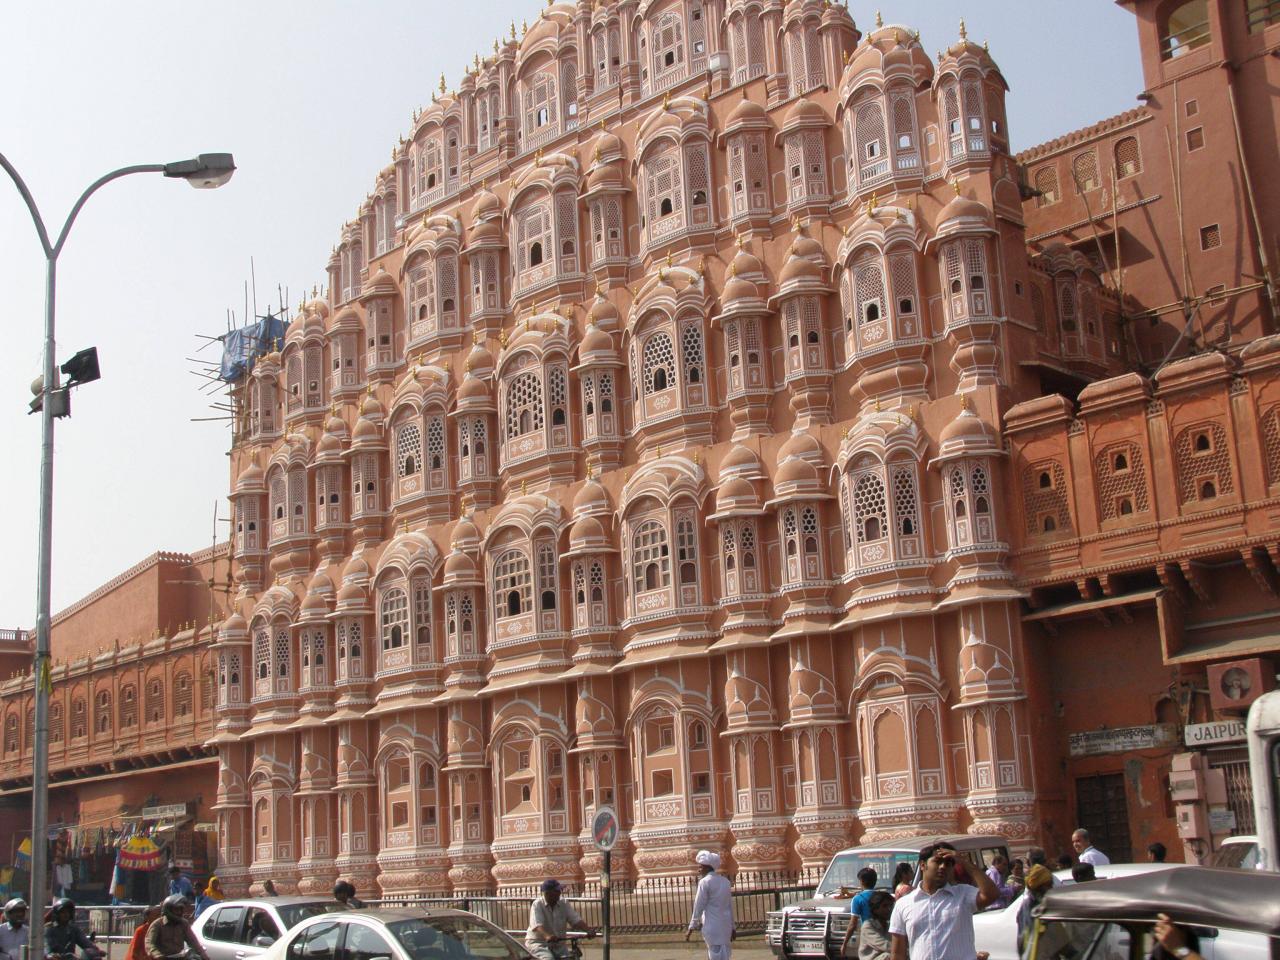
{"type": "Point", "coordinates": [244, 929]}
{"type": "Point", "coordinates": [408, 933]}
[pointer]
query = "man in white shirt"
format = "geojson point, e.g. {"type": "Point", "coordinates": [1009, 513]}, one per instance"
{"type": "Point", "coordinates": [935, 920]}
{"type": "Point", "coordinates": [550, 919]}
{"type": "Point", "coordinates": [1086, 852]}
{"type": "Point", "coordinates": [14, 931]}
{"type": "Point", "coordinates": [713, 908]}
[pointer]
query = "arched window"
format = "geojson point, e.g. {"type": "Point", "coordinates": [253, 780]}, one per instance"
{"type": "Point", "coordinates": [1185, 29]}
{"type": "Point", "coordinates": [691, 342]}
{"type": "Point", "coordinates": [687, 550]}
{"type": "Point", "coordinates": [659, 359]}
{"type": "Point", "coordinates": [650, 557]}
{"type": "Point", "coordinates": [1128, 159]}
{"type": "Point", "coordinates": [1084, 170]}
{"type": "Point", "coordinates": [262, 654]}
{"type": "Point", "coordinates": [395, 619]}
{"type": "Point", "coordinates": [546, 577]}
{"type": "Point", "coordinates": [128, 707]}
{"type": "Point", "coordinates": [1046, 185]}
{"type": "Point", "coordinates": [102, 713]}
{"type": "Point", "coordinates": [870, 510]}
{"type": "Point", "coordinates": [524, 404]}
{"type": "Point", "coordinates": [512, 584]}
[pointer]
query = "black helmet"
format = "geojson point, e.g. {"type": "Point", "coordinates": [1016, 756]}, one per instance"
{"type": "Point", "coordinates": [174, 905]}
{"type": "Point", "coordinates": [63, 903]}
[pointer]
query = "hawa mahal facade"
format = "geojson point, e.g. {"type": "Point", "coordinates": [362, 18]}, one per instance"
{"type": "Point", "coordinates": [710, 417]}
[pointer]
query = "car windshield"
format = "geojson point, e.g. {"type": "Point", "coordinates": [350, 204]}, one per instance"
{"type": "Point", "coordinates": [1236, 856]}
{"type": "Point", "coordinates": [294, 913]}
{"type": "Point", "coordinates": [453, 938]}
{"type": "Point", "coordinates": [843, 871]}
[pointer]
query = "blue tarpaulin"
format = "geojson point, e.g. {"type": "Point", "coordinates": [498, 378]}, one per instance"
{"type": "Point", "coordinates": [240, 348]}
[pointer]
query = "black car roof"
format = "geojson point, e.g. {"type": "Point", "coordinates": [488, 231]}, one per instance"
{"type": "Point", "coordinates": [1201, 896]}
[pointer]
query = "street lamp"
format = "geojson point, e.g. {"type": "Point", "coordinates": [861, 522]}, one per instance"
{"type": "Point", "coordinates": [206, 171]}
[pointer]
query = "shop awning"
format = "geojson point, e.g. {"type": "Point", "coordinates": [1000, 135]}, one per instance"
{"type": "Point", "coordinates": [1084, 608]}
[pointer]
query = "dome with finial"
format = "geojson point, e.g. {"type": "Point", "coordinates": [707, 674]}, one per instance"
{"type": "Point", "coordinates": [588, 535]}
{"type": "Point", "coordinates": [888, 52]}
{"type": "Point", "coordinates": [474, 395]}
{"type": "Point", "coordinates": [332, 441]}
{"type": "Point", "coordinates": [596, 345]}
{"type": "Point", "coordinates": [479, 361]}
{"type": "Point", "coordinates": [796, 477]}
{"type": "Point", "coordinates": [804, 114]}
{"type": "Point", "coordinates": [382, 284]}
{"type": "Point", "coordinates": [315, 605]}
{"type": "Point", "coordinates": [963, 215]}
{"type": "Point", "coordinates": [602, 313]}
{"type": "Point", "coordinates": [368, 431]}
{"type": "Point", "coordinates": [741, 461]}
{"type": "Point", "coordinates": [964, 53]}
{"type": "Point", "coordinates": [747, 115]}
{"type": "Point", "coordinates": [591, 500]}
{"type": "Point", "coordinates": [804, 446]}
{"type": "Point", "coordinates": [799, 268]}
{"type": "Point", "coordinates": [967, 435]}
{"type": "Point", "coordinates": [251, 480]}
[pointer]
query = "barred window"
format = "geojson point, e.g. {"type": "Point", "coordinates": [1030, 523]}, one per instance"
{"type": "Point", "coordinates": [262, 654]}
{"type": "Point", "coordinates": [1084, 170]}
{"type": "Point", "coordinates": [182, 695]}
{"type": "Point", "coordinates": [56, 727]}
{"type": "Point", "coordinates": [606, 393]}
{"type": "Point", "coordinates": [905, 508]}
{"type": "Point", "coordinates": [408, 449]}
{"type": "Point", "coordinates": [422, 613]}
{"type": "Point", "coordinates": [902, 270]}
{"type": "Point", "coordinates": [395, 619]}
{"type": "Point", "coordinates": [659, 361]}
{"type": "Point", "coordinates": [435, 442]}
{"type": "Point", "coordinates": [513, 584]}
{"type": "Point", "coordinates": [155, 701]}
{"type": "Point", "coordinates": [597, 582]}
{"type": "Point", "coordinates": [128, 707]}
{"type": "Point", "coordinates": [650, 557]}
{"type": "Point", "coordinates": [1128, 159]}
{"type": "Point", "coordinates": [558, 395]}
{"type": "Point", "coordinates": [687, 549]}
{"type": "Point", "coordinates": [524, 405]}
{"type": "Point", "coordinates": [282, 652]}
{"type": "Point", "coordinates": [869, 290]}
{"type": "Point", "coordinates": [546, 576]}
{"type": "Point", "coordinates": [1046, 184]}
{"type": "Point", "coordinates": [78, 718]}
{"type": "Point", "coordinates": [869, 508]}
{"type": "Point", "coordinates": [691, 342]}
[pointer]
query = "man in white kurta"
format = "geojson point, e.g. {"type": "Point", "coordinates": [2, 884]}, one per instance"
{"type": "Point", "coordinates": [713, 908]}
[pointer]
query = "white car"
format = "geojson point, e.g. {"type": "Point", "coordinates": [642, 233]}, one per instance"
{"type": "Point", "coordinates": [996, 931]}
{"type": "Point", "coordinates": [244, 929]}
{"type": "Point", "coordinates": [1236, 853]}
{"type": "Point", "coordinates": [409, 933]}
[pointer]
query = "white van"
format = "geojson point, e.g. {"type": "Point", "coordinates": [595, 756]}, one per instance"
{"type": "Point", "coordinates": [816, 927]}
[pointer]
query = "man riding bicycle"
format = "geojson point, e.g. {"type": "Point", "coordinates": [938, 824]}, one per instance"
{"type": "Point", "coordinates": [550, 919]}
{"type": "Point", "coordinates": [62, 937]}
{"type": "Point", "coordinates": [170, 936]}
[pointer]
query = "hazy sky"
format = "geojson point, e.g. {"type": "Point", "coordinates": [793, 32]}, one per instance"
{"type": "Point", "coordinates": [309, 96]}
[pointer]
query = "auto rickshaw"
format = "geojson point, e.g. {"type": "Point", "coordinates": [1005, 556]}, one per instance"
{"type": "Point", "coordinates": [1235, 915]}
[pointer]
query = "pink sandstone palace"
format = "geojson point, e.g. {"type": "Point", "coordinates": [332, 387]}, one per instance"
{"type": "Point", "coordinates": [709, 416]}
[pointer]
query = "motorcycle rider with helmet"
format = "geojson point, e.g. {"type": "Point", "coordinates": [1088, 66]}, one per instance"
{"type": "Point", "coordinates": [61, 935]}
{"type": "Point", "coordinates": [171, 935]}
{"type": "Point", "coordinates": [14, 931]}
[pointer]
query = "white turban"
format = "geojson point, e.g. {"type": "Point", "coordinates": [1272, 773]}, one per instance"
{"type": "Point", "coordinates": [706, 858]}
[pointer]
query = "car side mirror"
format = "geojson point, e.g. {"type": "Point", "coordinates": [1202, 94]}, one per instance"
{"type": "Point", "coordinates": [262, 940]}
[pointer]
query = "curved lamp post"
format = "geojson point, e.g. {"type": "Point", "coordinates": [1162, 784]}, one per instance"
{"type": "Point", "coordinates": [207, 171]}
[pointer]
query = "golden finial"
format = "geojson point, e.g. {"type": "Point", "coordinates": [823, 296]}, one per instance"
{"type": "Point", "coordinates": [796, 225]}
{"type": "Point", "coordinates": [702, 266]}
{"type": "Point", "coordinates": [733, 269]}
{"type": "Point", "coordinates": [939, 56]}
{"type": "Point", "coordinates": [475, 338]}
{"type": "Point", "coordinates": [596, 154]}
{"type": "Point", "coordinates": [591, 470]}
{"type": "Point", "coordinates": [846, 62]}
{"type": "Point", "coordinates": [737, 241]}
{"type": "Point", "coordinates": [845, 433]}
{"type": "Point", "coordinates": [524, 27]}
{"type": "Point", "coordinates": [404, 525]}
{"type": "Point", "coordinates": [876, 405]}
{"type": "Point", "coordinates": [369, 390]}
{"type": "Point", "coordinates": [502, 338]}
{"type": "Point", "coordinates": [916, 36]}
{"type": "Point", "coordinates": [442, 84]}
{"type": "Point", "coordinates": [955, 185]}
{"type": "Point", "coordinates": [477, 61]}
{"type": "Point", "coordinates": [513, 29]}
{"type": "Point", "coordinates": [495, 44]}
{"type": "Point", "coordinates": [668, 259]}
{"type": "Point", "coordinates": [662, 275]}
{"type": "Point", "coordinates": [965, 403]}
{"type": "Point", "coordinates": [666, 100]}
{"type": "Point", "coordinates": [911, 413]}
{"type": "Point", "coordinates": [879, 20]}
{"type": "Point", "coordinates": [986, 46]}
{"type": "Point", "coordinates": [524, 487]}
{"type": "Point", "coordinates": [538, 157]}
{"type": "Point", "coordinates": [695, 458]}
{"type": "Point", "coordinates": [658, 451]}
{"type": "Point", "coordinates": [964, 33]}
{"type": "Point", "coordinates": [602, 123]}
{"type": "Point", "coordinates": [871, 204]}
{"type": "Point", "coordinates": [468, 364]}
{"type": "Point", "coordinates": [911, 202]}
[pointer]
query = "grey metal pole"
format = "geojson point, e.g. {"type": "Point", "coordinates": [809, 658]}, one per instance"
{"type": "Point", "coordinates": [44, 568]}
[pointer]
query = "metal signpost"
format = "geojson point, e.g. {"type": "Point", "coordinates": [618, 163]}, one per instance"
{"type": "Point", "coordinates": [604, 831]}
